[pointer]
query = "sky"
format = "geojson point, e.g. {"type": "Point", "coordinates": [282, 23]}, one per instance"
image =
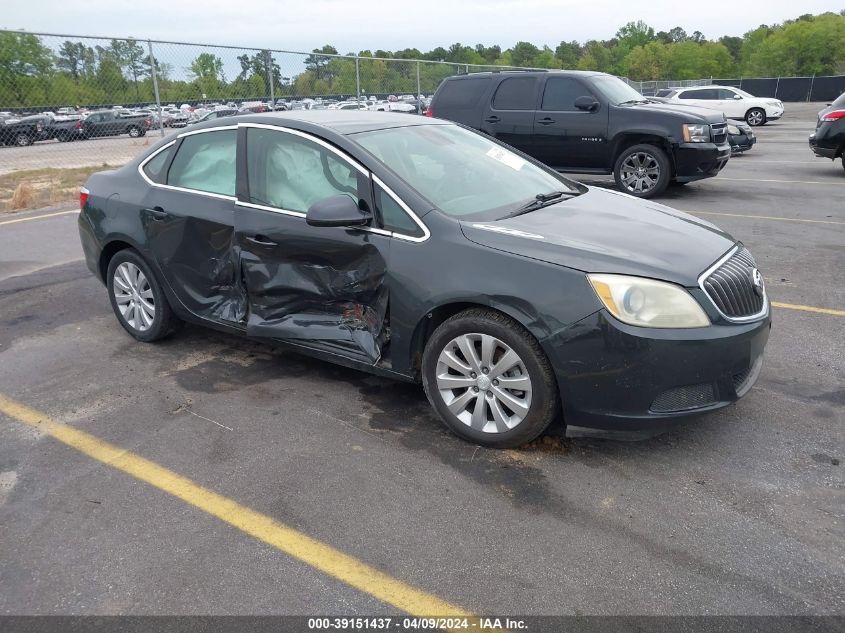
{"type": "Point", "coordinates": [354, 25]}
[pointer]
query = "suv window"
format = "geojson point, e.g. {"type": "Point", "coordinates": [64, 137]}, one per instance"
{"type": "Point", "coordinates": [462, 92]}
{"type": "Point", "coordinates": [292, 173]}
{"type": "Point", "coordinates": [515, 93]}
{"type": "Point", "coordinates": [560, 93]}
{"type": "Point", "coordinates": [155, 167]}
{"type": "Point", "coordinates": [206, 162]}
{"type": "Point", "coordinates": [663, 93]}
{"type": "Point", "coordinates": [724, 93]}
{"type": "Point", "coordinates": [710, 93]}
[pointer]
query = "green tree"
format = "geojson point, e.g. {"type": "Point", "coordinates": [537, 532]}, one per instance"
{"type": "Point", "coordinates": [25, 64]}
{"type": "Point", "coordinates": [635, 34]}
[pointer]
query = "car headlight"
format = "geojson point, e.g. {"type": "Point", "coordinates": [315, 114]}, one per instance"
{"type": "Point", "coordinates": [732, 129]}
{"type": "Point", "coordinates": [647, 302]}
{"type": "Point", "coordinates": [696, 133]}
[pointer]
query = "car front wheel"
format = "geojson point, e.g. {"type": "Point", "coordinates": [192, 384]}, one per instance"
{"type": "Point", "coordinates": [137, 298]}
{"type": "Point", "coordinates": [134, 132]}
{"type": "Point", "coordinates": [755, 117]}
{"type": "Point", "coordinates": [489, 380]}
{"type": "Point", "coordinates": [23, 140]}
{"type": "Point", "coordinates": [642, 171]}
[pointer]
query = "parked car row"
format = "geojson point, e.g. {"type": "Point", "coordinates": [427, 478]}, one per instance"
{"type": "Point", "coordinates": [41, 127]}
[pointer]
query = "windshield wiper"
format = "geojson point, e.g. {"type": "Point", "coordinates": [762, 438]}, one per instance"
{"type": "Point", "coordinates": [541, 200]}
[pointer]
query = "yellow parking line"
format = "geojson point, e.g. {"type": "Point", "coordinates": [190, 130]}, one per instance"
{"type": "Point", "coordinates": [763, 217]}
{"type": "Point", "coordinates": [262, 527]}
{"type": "Point", "coordinates": [796, 306]}
{"type": "Point", "coordinates": [38, 217]}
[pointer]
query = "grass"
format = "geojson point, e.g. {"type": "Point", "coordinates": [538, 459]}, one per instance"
{"type": "Point", "coordinates": [37, 188]}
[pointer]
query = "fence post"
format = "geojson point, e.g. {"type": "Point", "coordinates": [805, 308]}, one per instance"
{"type": "Point", "coordinates": [810, 91]}
{"type": "Point", "coordinates": [419, 90]}
{"type": "Point", "coordinates": [777, 85]}
{"type": "Point", "coordinates": [358, 80]}
{"type": "Point", "coordinates": [740, 82]}
{"type": "Point", "coordinates": [155, 86]}
{"type": "Point", "coordinates": [269, 68]}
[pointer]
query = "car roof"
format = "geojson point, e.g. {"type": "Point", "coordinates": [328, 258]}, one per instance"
{"type": "Point", "coordinates": [338, 121]}
{"type": "Point", "coordinates": [550, 71]}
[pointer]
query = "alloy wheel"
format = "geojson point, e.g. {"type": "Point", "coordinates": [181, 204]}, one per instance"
{"type": "Point", "coordinates": [755, 117]}
{"type": "Point", "coordinates": [134, 132]}
{"type": "Point", "coordinates": [134, 296]}
{"type": "Point", "coordinates": [484, 383]}
{"type": "Point", "coordinates": [640, 172]}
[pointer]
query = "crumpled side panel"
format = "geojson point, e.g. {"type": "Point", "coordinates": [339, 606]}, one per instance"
{"type": "Point", "coordinates": [199, 259]}
{"type": "Point", "coordinates": [335, 303]}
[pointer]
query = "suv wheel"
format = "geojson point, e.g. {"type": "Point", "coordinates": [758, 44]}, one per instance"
{"type": "Point", "coordinates": [134, 132]}
{"type": "Point", "coordinates": [22, 140]}
{"type": "Point", "coordinates": [755, 116]}
{"type": "Point", "coordinates": [137, 298]}
{"type": "Point", "coordinates": [642, 170]}
{"type": "Point", "coordinates": [489, 380]}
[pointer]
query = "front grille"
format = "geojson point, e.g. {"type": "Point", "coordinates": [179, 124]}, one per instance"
{"type": "Point", "coordinates": [720, 132]}
{"type": "Point", "coordinates": [684, 398]}
{"type": "Point", "coordinates": [740, 378]}
{"type": "Point", "coordinates": [731, 286]}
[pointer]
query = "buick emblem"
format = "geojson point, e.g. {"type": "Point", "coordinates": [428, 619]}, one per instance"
{"type": "Point", "coordinates": [757, 282]}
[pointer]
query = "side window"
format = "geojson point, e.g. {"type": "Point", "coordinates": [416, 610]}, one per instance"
{"type": "Point", "coordinates": [462, 93]}
{"type": "Point", "coordinates": [155, 167]}
{"type": "Point", "coordinates": [516, 93]}
{"type": "Point", "coordinates": [690, 94]}
{"type": "Point", "coordinates": [726, 94]}
{"type": "Point", "coordinates": [292, 173]}
{"type": "Point", "coordinates": [393, 216]}
{"type": "Point", "coordinates": [206, 162]}
{"type": "Point", "coordinates": [561, 92]}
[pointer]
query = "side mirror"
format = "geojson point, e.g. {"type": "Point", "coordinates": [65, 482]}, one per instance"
{"type": "Point", "coordinates": [737, 97]}
{"type": "Point", "coordinates": [339, 210]}
{"type": "Point", "coordinates": [586, 103]}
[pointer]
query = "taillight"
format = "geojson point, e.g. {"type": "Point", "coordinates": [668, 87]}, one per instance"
{"type": "Point", "coordinates": [83, 197]}
{"type": "Point", "coordinates": [834, 116]}
{"type": "Point", "coordinates": [429, 112]}
{"type": "Point", "coordinates": [78, 125]}
{"type": "Point", "coordinates": [147, 122]}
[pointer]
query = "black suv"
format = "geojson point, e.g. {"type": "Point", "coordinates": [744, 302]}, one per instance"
{"type": "Point", "coordinates": [828, 141]}
{"type": "Point", "coordinates": [591, 123]}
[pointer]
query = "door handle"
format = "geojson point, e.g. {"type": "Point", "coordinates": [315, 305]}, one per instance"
{"type": "Point", "coordinates": [157, 213]}
{"type": "Point", "coordinates": [546, 121]}
{"type": "Point", "coordinates": [492, 119]}
{"type": "Point", "coordinates": [261, 240]}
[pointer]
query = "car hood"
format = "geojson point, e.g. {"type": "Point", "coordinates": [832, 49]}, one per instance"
{"type": "Point", "coordinates": [605, 231]}
{"type": "Point", "coordinates": [709, 115]}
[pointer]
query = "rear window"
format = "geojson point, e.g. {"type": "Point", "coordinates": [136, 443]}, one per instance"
{"type": "Point", "coordinates": [461, 93]}
{"type": "Point", "coordinates": [840, 101]}
{"type": "Point", "coordinates": [206, 162]}
{"type": "Point", "coordinates": [154, 168]}
{"type": "Point", "coordinates": [516, 93]}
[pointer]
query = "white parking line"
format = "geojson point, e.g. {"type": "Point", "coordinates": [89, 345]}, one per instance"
{"type": "Point", "coordinates": [762, 217]}
{"type": "Point", "coordinates": [796, 182]}
{"type": "Point", "coordinates": [38, 217]}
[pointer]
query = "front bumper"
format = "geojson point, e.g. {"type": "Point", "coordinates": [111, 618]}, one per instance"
{"type": "Point", "coordinates": [617, 377]}
{"type": "Point", "coordinates": [741, 143]}
{"type": "Point", "coordinates": [694, 161]}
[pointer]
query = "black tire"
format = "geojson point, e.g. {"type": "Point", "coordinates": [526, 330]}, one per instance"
{"type": "Point", "coordinates": [23, 139]}
{"type": "Point", "coordinates": [545, 402]}
{"type": "Point", "coordinates": [755, 117]}
{"type": "Point", "coordinates": [646, 153]}
{"type": "Point", "coordinates": [843, 161]}
{"type": "Point", "coordinates": [134, 131]}
{"type": "Point", "coordinates": [164, 321]}
{"type": "Point", "coordinates": [63, 137]}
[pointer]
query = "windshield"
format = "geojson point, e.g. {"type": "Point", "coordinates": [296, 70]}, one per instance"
{"type": "Point", "coordinates": [615, 90]}
{"type": "Point", "coordinates": [462, 173]}
{"type": "Point", "coordinates": [840, 101]}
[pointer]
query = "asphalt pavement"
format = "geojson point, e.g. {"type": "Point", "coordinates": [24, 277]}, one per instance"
{"type": "Point", "coordinates": [738, 512]}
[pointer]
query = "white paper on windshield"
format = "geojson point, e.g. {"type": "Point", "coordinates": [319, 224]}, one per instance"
{"type": "Point", "coordinates": [505, 157]}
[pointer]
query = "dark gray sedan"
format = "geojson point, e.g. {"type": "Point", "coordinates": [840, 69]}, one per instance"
{"type": "Point", "coordinates": [417, 249]}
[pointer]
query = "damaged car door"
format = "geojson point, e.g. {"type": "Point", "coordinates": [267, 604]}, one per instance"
{"type": "Point", "coordinates": [188, 218]}
{"type": "Point", "coordinates": [323, 287]}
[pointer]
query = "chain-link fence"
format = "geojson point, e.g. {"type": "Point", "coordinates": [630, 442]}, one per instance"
{"type": "Point", "coordinates": [118, 94]}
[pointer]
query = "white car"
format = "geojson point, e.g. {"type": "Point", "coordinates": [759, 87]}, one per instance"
{"type": "Point", "coordinates": [734, 102]}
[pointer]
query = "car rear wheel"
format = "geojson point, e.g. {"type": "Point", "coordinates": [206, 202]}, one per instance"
{"type": "Point", "coordinates": [489, 380]}
{"type": "Point", "coordinates": [137, 298]}
{"type": "Point", "coordinates": [22, 140]}
{"type": "Point", "coordinates": [134, 131]}
{"type": "Point", "coordinates": [642, 171]}
{"type": "Point", "coordinates": [755, 116]}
